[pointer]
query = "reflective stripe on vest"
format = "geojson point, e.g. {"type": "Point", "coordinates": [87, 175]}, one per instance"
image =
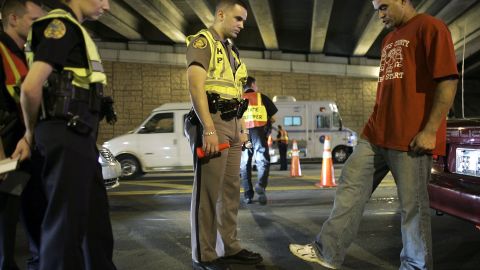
{"type": "Point", "coordinates": [15, 71]}
{"type": "Point", "coordinates": [82, 77]}
{"type": "Point", "coordinates": [283, 136]}
{"type": "Point", "coordinates": [220, 77]}
{"type": "Point", "coordinates": [256, 113]}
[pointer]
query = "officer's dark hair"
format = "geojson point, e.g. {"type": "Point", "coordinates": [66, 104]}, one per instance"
{"type": "Point", "coordinates": [225, 4]}
{"type": "Point", "coordinates": [15, 6]}
{"type": "Point", "coordinates": [250, 81]}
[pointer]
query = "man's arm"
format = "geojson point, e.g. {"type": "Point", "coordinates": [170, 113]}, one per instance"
{"type": "Point", "coordinates": [272, 119]}
{"type": "Point", "coordinates": [196, 85]}
{"type": "Point", "coordinates": [30, 99]}
{"type": "Point", "coordinates": [425, 140]}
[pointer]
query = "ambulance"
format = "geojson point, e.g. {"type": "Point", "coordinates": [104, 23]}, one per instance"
{"type": "Point", "coordinates": [308, 123]}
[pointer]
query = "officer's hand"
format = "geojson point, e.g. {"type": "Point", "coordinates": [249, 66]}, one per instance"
{"type": "Point", "coordinates": [424, 142]}
{"type": "Point", "coordinates": [22, 151]}
{"type": "Point", "coordinates": [243, 137]}
{"type": "Point", "coordinates": [210, 143]}
{"type": "Point", "coordinates": [107, 110]}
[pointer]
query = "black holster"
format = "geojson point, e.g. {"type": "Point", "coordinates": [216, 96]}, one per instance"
{"type": "Point", "coordinates": [192, 117]}
{"type": "Point", "coordinates": [78, 106]}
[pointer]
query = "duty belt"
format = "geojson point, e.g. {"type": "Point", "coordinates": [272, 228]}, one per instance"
{"type": "Point", "coordinates": [63, 100]}
{"type": "Point", "coordinates": [226, 105]}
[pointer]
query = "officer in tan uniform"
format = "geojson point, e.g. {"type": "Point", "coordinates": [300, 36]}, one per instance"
{"type": "Point", "coordinates": [215, 79]}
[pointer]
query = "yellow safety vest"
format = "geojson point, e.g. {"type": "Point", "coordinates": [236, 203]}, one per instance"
{"type": "Point", "coordinates": [283, 136]}
{"type": "Point", "coordinates": [82, 77]}
{"type": "Point", "coordinates": [15, 71]}
{"type": "Point", "coordinates": [220, 76]}
{"type": "Point", "coordinates": [256, 113]}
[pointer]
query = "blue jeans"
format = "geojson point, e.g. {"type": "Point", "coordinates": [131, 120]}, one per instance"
{"type": "Point", "coordinates": [363, 171]}
{"type": "Point", "coordinates": [262, 161]}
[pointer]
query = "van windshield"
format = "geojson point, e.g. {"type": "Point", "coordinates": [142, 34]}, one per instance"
{"type": "Point", "coordinates": [336, 120]}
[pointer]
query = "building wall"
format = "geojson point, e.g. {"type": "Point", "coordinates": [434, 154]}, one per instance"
{"type": "Point", "coordinates": [139, 88]}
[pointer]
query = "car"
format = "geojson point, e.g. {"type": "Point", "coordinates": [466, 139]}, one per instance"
{"type": "Point", "coordinates": [454, 188]}
{"type": "Point", "coordinates": [158, 144]}
{"type": "Point", "coordinates": [111, 169]}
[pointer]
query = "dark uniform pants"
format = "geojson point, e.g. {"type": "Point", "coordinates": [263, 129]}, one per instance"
{"type": "Point", "coordinates": [34, 205]}
{"type": "Point", "coordinates": [216, 193]}
{"type": "Point", "coordinates": [9, 209]}
{"type": "Point", "coordinates": [77, 202]}
{"type": "Point", "coordinates": [262, 160]}
{"type": "Point", "coordinates": [282, 150]}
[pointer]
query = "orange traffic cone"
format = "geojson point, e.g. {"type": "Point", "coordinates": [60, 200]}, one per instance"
{"type": "Point", "coordinates": [269, 141]}
{"type": "Point", "coordinates": [327, 179]}
{"type": "Point", "coordinates": [295, 169]}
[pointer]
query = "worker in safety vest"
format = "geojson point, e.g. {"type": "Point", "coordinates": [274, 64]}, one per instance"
{"type": "Point", "coordinates": [258, 120]}
{"type": "Point", "coordinates": [17, 17]}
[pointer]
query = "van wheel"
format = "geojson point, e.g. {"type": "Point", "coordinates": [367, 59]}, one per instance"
{"type": "Point", "coordinates": [130, 166]}
{"type": "Point", "coordinates": [340, 154]}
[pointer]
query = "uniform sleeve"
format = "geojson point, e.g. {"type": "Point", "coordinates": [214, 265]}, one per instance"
{"type": "Point", "coordinates": [198, 53]}
{"type": "Point", "coordinates": [440, 53]}
{"type": "Point", "coordinates": [55, 40]}
{"type": "Point", "coordinates": [269, 105]}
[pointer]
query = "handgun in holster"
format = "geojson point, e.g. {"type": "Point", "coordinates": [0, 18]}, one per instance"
{"type": "Point", "coordinates": [192, 117]}
{"type": "Point", "coordinates": [213, 99]}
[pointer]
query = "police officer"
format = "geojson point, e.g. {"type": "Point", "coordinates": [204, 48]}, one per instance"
{"type": "Point", "coordinates": [258, 119]}
{"type": "Point", "coordinates": [215, 77]}
{"type": "Point", "coordinates": [17, 17]}
{"type": "Point", "coordinates": [282, 142]}
{"type": "Point", "coordinates": [67, 109]}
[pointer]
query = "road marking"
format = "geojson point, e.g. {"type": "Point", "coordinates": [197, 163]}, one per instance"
{"type": "Point", "coordinates": [187, 189]}
{"type": "Point", "coordinates": [158, 184]}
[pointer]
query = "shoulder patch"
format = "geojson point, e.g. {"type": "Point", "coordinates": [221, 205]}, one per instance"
{"type": "Point", "coordinates": [200, 43]}
{"type": "Point", "coordinates": [56, 29]}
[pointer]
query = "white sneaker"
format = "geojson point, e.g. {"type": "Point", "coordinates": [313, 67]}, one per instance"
{"type": "Point", "coordinates": [307, 253]}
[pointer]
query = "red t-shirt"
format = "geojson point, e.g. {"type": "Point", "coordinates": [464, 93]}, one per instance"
{"type": "Point", "coordinates": [414, 55]}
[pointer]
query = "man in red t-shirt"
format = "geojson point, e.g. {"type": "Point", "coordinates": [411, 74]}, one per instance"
{"type": "Point", "coordinates": [416, 87]}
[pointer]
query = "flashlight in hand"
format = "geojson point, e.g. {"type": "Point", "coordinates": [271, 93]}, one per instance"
{"type": "Point", "coordinates": [221, 147]}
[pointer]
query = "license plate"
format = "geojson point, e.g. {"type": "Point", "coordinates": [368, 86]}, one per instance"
{"type": "Point", "coordinates": [468, 161]}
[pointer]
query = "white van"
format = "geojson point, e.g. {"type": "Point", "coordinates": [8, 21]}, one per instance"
{"type": "Point", "coordinates": [308, 122]}
{"type": "Point", "coordinates": [158, 144]}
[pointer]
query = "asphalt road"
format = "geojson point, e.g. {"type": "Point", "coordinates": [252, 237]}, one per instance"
{"type": "Point", "coordinates": [151, 225]}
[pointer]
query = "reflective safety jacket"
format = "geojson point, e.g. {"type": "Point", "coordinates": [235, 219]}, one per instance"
{"type": "Point", "coordinates": [220, 76]}
{"type": "Point", "coordinates": [82, 77]}
{"type": "Point", "coordinates": [15, 71]}
{"type": "Point", "coordinates": [256, 113]}
{"type": "Point", "coordinates": [283, 136]}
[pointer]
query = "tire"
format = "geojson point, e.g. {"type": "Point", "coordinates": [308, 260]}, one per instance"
{"type": "Point", "coordinates": [340, 154]}
{"type": "Point", "coordinates": [130, 167]}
